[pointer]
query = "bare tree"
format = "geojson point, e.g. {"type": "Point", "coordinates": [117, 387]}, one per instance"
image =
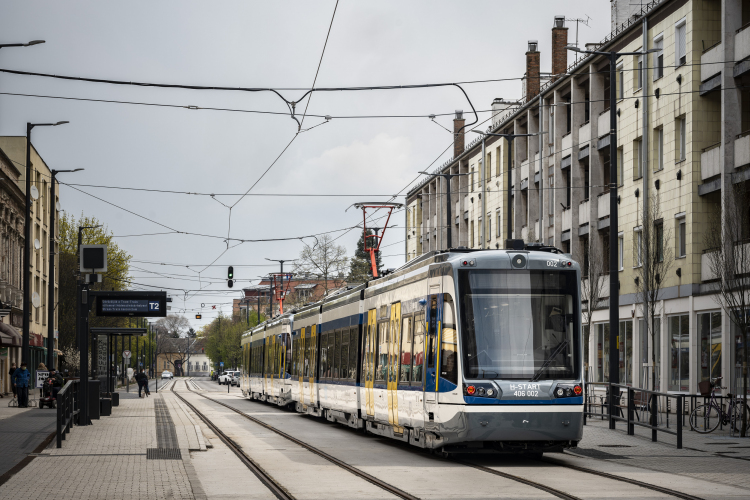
{"type": "Point", "coordinates": [173, 325]}
{"type": "Point", "coordinates": [654, 259]}
{"type": "Point", "coordinates": [325, 260]}
{"type": "Point", "coordinates": [728, 259]}
{"type": "Point", "coordinates": [594, 268]}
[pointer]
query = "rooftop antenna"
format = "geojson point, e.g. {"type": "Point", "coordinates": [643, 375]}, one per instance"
{"type": "Point", "coordinates": [585, 22]}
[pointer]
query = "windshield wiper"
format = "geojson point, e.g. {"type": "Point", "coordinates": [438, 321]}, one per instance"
{"type": "Point", "coordinates": [546, 363]}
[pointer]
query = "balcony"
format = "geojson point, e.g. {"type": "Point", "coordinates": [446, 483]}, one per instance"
{"type": "Point", "coordinates": [603, 123]}
{"type": "Point", "coordinates": [567, 219]}
{"type": "Point", "coordinates": [742, 44]}
{"type": "Point", "coordinates": [742, 150]}
{"type": "Point", "coordinates": [603, 205]}
{"type": "Point", "coordinates": [706, 273]}
{"type": "Point", "coordinates": [711, 61]}
{"type": "Point", "coordinates": [567, 144]}
{"type": "Point", "coordinates": [584, 134]}
{"type": "Point", "coordinates": [525, 170]}
{"type": "Point", "coordinates": [711, 161]}
{"type": "Point", "coordinates": [583, 212]}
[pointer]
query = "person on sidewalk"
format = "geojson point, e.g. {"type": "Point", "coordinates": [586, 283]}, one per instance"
{"type": "Point", "coordinates": [10, 372]}
{"type": "Point", "coordinates": [142, 380]}
{"type": "Point", "coordinates": [55, 381]}
{"type": "Point", "coordinates": [21, 379]}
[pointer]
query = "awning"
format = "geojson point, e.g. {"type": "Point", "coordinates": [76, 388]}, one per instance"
{"type": "Point", "coordinates": [9, 336]}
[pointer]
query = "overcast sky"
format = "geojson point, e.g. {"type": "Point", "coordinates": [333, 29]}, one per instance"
{"type": "Point", "coordinates": [255, 44]}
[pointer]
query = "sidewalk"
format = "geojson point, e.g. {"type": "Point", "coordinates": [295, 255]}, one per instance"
{"type": "Point", "coordinates": [22, 431]}
{"type": "Point", "coordinates": [141, 451]}
{"type": "Point", "coordinates": [714, 457]}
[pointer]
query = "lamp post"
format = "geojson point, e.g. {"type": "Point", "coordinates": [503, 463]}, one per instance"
{"type": "Point", "coordinates": [614, 295]}
{"type": "Point", "coordinates": [448, 223]}
{"type": "Point", "coordinates": [51, 289]}
{"type": "Point", "coordinates": [27, 237]}
{"type": "Point", "coordinates": [509, 138]}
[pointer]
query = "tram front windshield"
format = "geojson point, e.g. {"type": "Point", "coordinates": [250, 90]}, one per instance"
{"type": "Point", "coordinates": [519, 325]}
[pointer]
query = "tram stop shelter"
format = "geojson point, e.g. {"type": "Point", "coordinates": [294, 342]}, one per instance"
{"type": "Point", "coordinates": [106, 353]}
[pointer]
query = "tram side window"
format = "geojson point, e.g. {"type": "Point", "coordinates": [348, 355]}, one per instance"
{"type": "Point", "coordinates": [337, 355]}
{"type": "Point", "coordinates": [382, 351]}
{"type": "Point", "coordinates": [331, 354]}
{"type": "Point", "coordinates": [406, 343]}
{"type": "Point", "coordinates": [323, 355]}
{"type": "Point", "coordinates": [353, 353]}
{"type": "Point", "coordinates": [417, 366]}
{"type": "Point", "coordinates": [449, 339]}
{"type": "Point", "coordinates": [288, 368]}
{"type": "Point", "coordinates": [432, 332]}
{"type": "Point", "coordinates": [344, 367]}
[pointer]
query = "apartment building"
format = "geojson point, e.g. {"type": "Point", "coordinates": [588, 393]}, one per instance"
{"type": "Point", "coordinates": [680, 113]}
{"type": "Point", "coordinates": [15, 149]}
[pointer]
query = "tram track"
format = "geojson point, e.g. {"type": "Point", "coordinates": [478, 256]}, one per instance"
{"type": "Point", "coordinates": [264, 477]}
{"type": "Point", "coordinates": [357, 472]}
{"type": "Point", "coordinates": [516, 478]}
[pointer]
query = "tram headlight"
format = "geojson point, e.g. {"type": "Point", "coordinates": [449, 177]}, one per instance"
{"type": "Point", "coordinates": [490, 392]}
{"type": "Point", "coordinates": [480, 391]}
{"type": "Point", "coordinates": [560, 392]}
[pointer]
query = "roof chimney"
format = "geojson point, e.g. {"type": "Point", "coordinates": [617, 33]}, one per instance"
{"type": "Point", "coordinates": [532, 70]}
{"type": "Point", "coordinates": [559, 52]}
{"type": "Point", "coordinates": [458, 133]}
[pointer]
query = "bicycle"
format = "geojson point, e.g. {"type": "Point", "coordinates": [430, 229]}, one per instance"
{"type": "Point", "coordinates": [706, 418]}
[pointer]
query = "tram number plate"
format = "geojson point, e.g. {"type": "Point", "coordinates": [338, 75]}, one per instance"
{"type": "Point", "coordinates": [525, 390]}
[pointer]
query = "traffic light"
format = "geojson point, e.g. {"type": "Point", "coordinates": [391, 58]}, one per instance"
{"type": "Point", "coordinates": [230, 273]}
{"type": "Point", "coordinates": [198, 316]}
{"type": "Point", "coordinates": [230, 283]}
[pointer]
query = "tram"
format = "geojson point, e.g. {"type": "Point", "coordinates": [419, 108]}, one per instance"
{"type": "Point", "coordinates": [460, 350]}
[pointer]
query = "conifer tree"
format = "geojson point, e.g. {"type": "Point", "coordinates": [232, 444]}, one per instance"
{"type": "Point", "coordinates": [360, 269]}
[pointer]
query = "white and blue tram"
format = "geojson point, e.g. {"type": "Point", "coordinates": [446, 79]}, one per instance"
{"type": "Point", "coordinates": [457, 350]}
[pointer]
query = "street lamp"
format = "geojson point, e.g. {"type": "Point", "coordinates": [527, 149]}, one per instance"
{"type": "Point", "coordinates": [614, 295]}
{"type": "Point", "coordinates": [509, 138]}
{"type": "Point", "coordinates": [51, 289]}
{"type": "Point", "coordinates": [27, 243]}
{"type": "Point", "coordinates": [29, 44]}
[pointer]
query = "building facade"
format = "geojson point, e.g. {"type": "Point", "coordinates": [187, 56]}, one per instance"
{"type": "Point", "coordinates": [15, 150]}
{"type": "Point", "coordinates": [681, 112]}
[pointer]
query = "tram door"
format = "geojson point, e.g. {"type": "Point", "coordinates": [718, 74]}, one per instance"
{"type": "Point", "coordinates": [302, 368]}
{"type": "Point", "coordinates": [432, 333]}
{"type": "Point", "coordinates": [394, 355]}
{"type": "Point", "coordinates": [311, 344]}
{"type": "Point", "coordinates": [369, 361]}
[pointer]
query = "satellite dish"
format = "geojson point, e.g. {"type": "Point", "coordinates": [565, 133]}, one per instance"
{"type": "Point", "coordinates": [37, 244]}
{"type": "Point", "coordinates": [35, 300]}
{"type": "Point", "coordinates": [57, 205]}
{"type": "Point", "coordinates": [34, 192]}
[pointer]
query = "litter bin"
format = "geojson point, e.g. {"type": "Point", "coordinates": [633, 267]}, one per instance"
{"type": "Point", "coordinates": [94, 399]}
{"type": "Point", "coordinates": [105, 406]}
{"type": "Point", "coordinates": [115, 399]}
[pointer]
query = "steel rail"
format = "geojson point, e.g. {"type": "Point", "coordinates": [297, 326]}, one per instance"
{"type": "Point", "coordinates": [534, 484]}
{"type": "Point", "coordinates": [357, 472]}
{"type": "Point", "coordinates": [615, 477]}
{"type": "Point", "coordinates": [279, 491]}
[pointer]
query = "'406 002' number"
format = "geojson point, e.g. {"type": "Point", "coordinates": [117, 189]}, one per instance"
{"type": "Point", "coordinates": [526, 393]}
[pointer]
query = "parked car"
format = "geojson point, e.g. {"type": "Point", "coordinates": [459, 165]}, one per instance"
{"type": "Point", "coordinates": [167, 374]}
{"type": "Point", "coordinates": [230, 377]}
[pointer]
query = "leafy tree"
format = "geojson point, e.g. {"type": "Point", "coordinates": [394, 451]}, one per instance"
{"type": "Point", "coordinates": [173, 325]}
{"type": "Point", "coordinates": [360, 267]}
{"type": "Point", "coordinates": [116, 278]}
{"type": "Point", "coordinates": [223, 340]}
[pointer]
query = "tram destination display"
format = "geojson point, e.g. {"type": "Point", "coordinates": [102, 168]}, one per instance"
{"type": "Point", "coordinates": [143, 305]}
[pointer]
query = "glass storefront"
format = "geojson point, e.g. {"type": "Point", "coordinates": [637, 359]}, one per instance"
{"type": "Point", "coordinates": [709, 342]}
{"type": "Point", "coordinates": [625, 352]}
{"type": "Point", "coordinates": [647, 356]}
{"type": "Point", "coordinates": [679, 343]}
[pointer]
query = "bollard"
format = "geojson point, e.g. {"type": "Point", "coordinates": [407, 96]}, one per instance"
{"type": "Point", "coordinates": [631, 425]}
{"type": "Point", "coordinates": [679, 422]}
{"type": "Point", "coordinates": [653, 417]}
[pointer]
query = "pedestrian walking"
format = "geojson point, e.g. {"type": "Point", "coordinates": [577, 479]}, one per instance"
{"type": "Point", "coordinates": [21, 379]}
{"type": "Point", "coordinates": [10, 372]}
{"type": "Point", "coordinates": [142, 380]}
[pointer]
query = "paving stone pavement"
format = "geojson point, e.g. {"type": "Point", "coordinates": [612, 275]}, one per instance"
{"type": "Point", "coordinates": [107, 460]}
{"type": "Point", "coordinates": [717, 458]}
{"type": "Point", "coordinates": [21, 431]}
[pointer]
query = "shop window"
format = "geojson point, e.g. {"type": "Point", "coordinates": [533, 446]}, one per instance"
{"type": "Point", "coordinates": [709, 342]}
{"type": "Point", "coordinates": [679, 341]}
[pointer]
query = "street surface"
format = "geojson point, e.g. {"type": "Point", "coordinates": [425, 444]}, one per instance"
{"type": "Point", "coordinates": [109, 459]}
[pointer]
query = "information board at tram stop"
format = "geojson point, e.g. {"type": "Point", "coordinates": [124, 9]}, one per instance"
{"type": "Point", "coordinates": [41, 376]}
{"type": "Point", "coordinates": [131, 304]}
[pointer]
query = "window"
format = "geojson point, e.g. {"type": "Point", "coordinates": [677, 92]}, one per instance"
{"type": "Point", "coordinates": [407, 330]}
{"type": "Point", "coordinates": [680, 44]}
{"type": "Point", "coordinates": [659, 235]}
{"type": "Point", "coordinates": [497, 162]}
{"type": "Point", "coordinates": [681, 236]}
{"type": "Point", "coordinates": [647, 374]}
{"type": "Point", "coordinates": [637, 159]}
{"type": "Point", "coordinates": [471, 235]}
{"type": "Point", "coordinates": [551, 198]}
{"type": "Point", "coordinates": [625, 335]}
{"type": "Point", "coordinates": [586, 106]}
{"type": "Point", "coordinates": [679, 343]}
{"type": "Point", "coordinates": [709, 335]}
{"type": "Point", "coordinates": [620, 82]}
{"type": "Point", "coordinates": [417, 366]}
{"type": "Point", "coordinates": [586, 181]}
{"type": "Point", "coordinates": [431, 332]}
{"type": "Point", "coordinates": [499, 220]}
{"type": "Point", "coordinates": [637, 247]}
{"type": "Point", "coordinates": [488, 229]}
{"type": "Point", "coordinates": [681, 138]}
{"type": "Point", "coordinates": [472, 178]}
{"type": "Point", "coordinates": [449, 341]}
{"type": "Point", "coordinates": [568, 188]}
{"type": "Point", "coordinates": [659, 149]}
{"type": "Point", "coordinates": [620, 167]}
{"type": "Point", "coordinates": [488, 167]}
{"type": "Point", "coordinates": [658, 57]}
{"type": "Point", "coordinates": [382, 351]}
{"type": "Point", "coordinates": [620, 251]}
{"type": "Point", "coordinates": [638, 80]}
{"type": "Point", "coordinates": [568, 114]}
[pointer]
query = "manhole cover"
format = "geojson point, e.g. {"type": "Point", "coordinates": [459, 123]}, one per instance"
{"type": "Point", "coordinates": [614, 446]}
